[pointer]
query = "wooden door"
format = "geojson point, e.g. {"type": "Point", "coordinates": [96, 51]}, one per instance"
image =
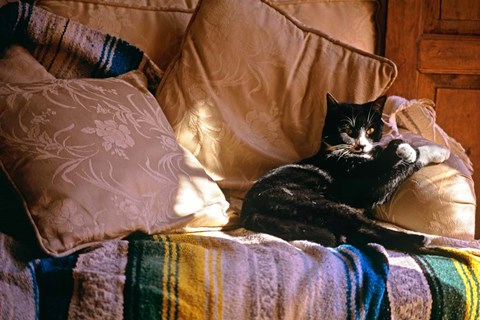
{"type": "Point", "coordinates": [436, 46]}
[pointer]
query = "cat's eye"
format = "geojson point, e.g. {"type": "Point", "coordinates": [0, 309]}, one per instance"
{"type": "Point", "coordinates": [370, 131]}
{"type": "Point", "coordinates": [348, 131]}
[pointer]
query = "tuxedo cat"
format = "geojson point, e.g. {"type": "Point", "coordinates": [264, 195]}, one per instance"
{"type": "Point", "coordinates": [324, 198]}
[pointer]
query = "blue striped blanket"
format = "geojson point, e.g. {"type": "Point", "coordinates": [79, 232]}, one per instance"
{"type": "Point", "coordinates": [69, 49]}
{"type": "Point", "coordinates": [241, 275]}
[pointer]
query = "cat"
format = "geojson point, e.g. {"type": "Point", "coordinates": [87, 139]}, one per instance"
{"type": "Point", "coordinates": [327, 198]}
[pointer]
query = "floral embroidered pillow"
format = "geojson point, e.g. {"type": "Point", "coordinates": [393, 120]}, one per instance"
{"type": "Point", "coordinates": [95, 159]}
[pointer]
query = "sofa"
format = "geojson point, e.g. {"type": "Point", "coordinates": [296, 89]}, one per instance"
{"type": "Point", "coordinates": [131, 131]}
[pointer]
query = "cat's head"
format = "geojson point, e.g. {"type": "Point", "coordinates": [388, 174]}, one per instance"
{"type": "Point", "coordinates": [352, 129]}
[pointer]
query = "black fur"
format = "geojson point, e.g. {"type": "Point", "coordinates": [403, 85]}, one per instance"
{"type": "Point", "coordinates": [324, 198]}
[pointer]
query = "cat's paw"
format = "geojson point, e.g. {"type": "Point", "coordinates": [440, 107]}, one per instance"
{"type": "Point", "coordinates": [406, 152]}
{"type": "Point", "coordinates": [432, 154]}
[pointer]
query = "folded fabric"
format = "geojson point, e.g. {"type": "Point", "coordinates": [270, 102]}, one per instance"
{"type": "Point", "coordinates": [18, 288]}
{"type": "Point", "coordinates": [438, 199]}
{"type": "Point", "coordinates": [200, 277]}
{"type": "Point", "coordinates": [242, 275]}
{"type": "Point", "coordinates": [55, 285]}
{"type": "Point", "coordinates": [68, 49]}
{"type": "Point", "coordinates": [18, 65]}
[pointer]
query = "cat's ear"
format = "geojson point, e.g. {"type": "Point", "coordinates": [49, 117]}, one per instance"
{"type": "Point", "coordinates": [331, 101]}
{"type": "Point", "coordinates": [379, 103]}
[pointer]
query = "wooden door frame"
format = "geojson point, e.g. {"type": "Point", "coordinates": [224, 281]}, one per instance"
{"type": "Point", "coordinates": [411, 25]}
{"type": "Point", "coordinates": [405, 56]}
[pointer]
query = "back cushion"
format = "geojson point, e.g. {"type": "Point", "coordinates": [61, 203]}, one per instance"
{"type": "Point", "coordinates": [246, 104]}
{"type": "Point", "coordinates": [157, 27]}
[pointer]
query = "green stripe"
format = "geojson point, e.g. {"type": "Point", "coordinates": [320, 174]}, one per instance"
{"type": "Point", "coordinates": [131, 292]}
{"type": "Point", "coordinates": [177, 260]}
{"type": "Point", "coordinates": [434, 286]}
{"type": "Point", "coordinates": [169, 275]}
{"type": "Point", "coordinates": [446, 286]}
{"type": "Point", "coordinates": [144, 278]}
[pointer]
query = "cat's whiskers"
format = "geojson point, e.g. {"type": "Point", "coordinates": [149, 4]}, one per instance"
{"type": "Point", "coordinates": [336, 147]}
{"type": "Point", "coordinates": [351, 121]}
{"type": "Point", "coordinates": [340, 151]}
{"type": "Point", "coordinates": [369, 118]}
{"type": "Point", "coordinates": [344, 154]}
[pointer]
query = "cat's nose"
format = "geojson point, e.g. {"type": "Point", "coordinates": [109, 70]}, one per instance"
{"type": "Point", "coordinates": [359, 147]}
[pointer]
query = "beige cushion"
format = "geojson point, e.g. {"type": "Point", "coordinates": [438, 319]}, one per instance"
{"type": "Point", "coordinates": [95, 159]}
{"type": "Point", "coordinates": [438, 199]}
{"type": "Point", "coordinates": [157, 27]}
{"type": "Point", "coordinates": [243, 105]}
{"type": "Point", "coordinates": [18, 65]}
{"type": "Point", "coordinates": [350, 21]}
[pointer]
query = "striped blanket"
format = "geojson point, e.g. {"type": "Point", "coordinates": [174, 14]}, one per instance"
{"type": "Point", "coordinates": [241, 275]}
{"type": "Point", "coordinates": [69, 49]}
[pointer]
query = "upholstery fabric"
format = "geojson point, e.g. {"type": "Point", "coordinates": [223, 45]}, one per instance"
{"type": "Point", "coordinates": [95, 159]}
{"type": "Point", "coordinates": [245, 275]}
{"type": "Point", "coordinates": [144, 22]}
{"type": "Point", "coordinates": [18, 65]}
{"type": "Point", "coordinates": [438, 199]}
{"type": "Point", "coordinates": [18, 291]}
{"type": "Point", "coordinates": [349, 21]}
{"type": "Point", "coordinates": [156, 27]}
{"type": "Point", "coordinates": [243, 104]}
{"type": "Point", "coordinates": [68, 49]}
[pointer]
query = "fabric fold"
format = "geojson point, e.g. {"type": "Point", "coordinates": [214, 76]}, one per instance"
{"type": "Point", "coordinates": [19, 294]}
{"type": "Point", "coordinates": [69, 49]}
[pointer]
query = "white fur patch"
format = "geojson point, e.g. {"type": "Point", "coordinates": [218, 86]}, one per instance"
{"type": "Point", "coordinates": [406, 153]}
{"type": "Point", "coordinates": [363, 141]}
{"type": "Point", "coordinates": [432, 154]}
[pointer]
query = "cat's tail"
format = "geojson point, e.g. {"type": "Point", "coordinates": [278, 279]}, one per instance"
{"type": "Point", "coordinates": [390, 239]}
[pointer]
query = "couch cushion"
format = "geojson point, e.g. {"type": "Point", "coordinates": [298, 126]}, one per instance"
{"type": "Point", "coordinates": [438, 199]}
{"type": "Point", "coordinates": [18, 65]}
{"type": "Point", "coordinates": [244, 104]}
{"type": "Point", "coordinates": [350, 21]}
{"type": "Point", "coordinates": [157, 27]}
{"type": "Point", "coordinates": [95, 159]}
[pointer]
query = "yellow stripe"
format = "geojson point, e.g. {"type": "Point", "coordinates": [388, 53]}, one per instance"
{"type": "Point", "coordinates": [219, 283]}
{"type": "Point", "coordinates": [466, 283]}
{"type": "Point", "coordinates": [192, 276]}
{"type": "Point", "coordinates": [211, 277]}
{"type": "Point", "coordinates": [474, 290]}
{"type": "Point", "coordinates": [173, 298]}
{"type": "Point", "coordinates": [214, 286]}
{"type": "Point", "coordinates": [165, 301]}
{"type": "Point", "coordinates": [469, 271]}
{"type": "Point", "coordinates": [207, 278]}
